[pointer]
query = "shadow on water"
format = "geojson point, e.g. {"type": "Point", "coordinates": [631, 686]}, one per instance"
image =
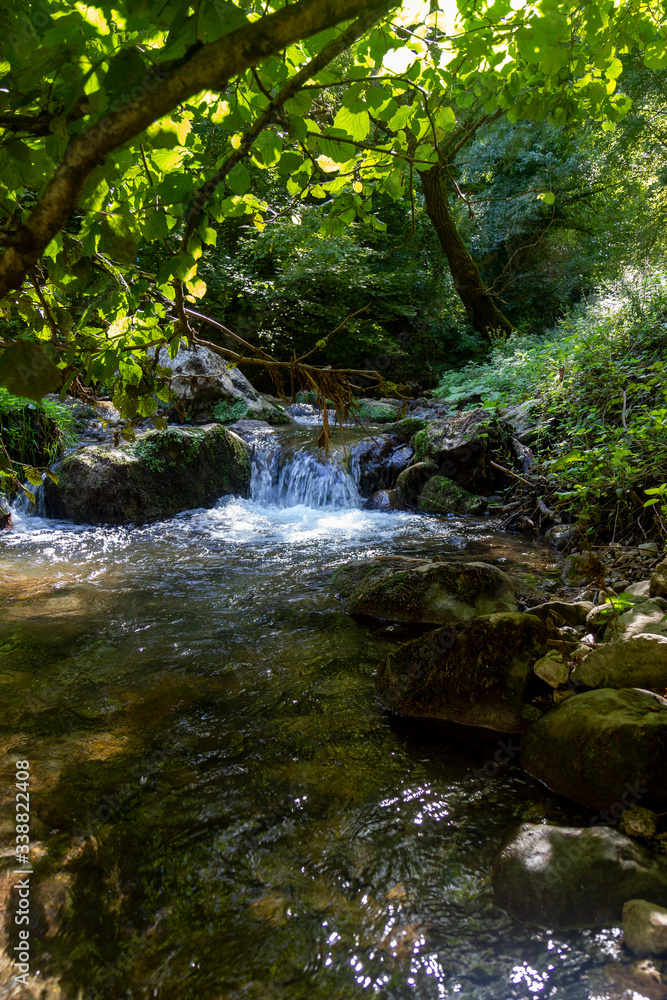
{"type": "Point", "coordinates": [221, 809]}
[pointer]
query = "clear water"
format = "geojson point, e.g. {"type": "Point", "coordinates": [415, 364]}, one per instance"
{"type": "Point", "coordinates": [221, 807]}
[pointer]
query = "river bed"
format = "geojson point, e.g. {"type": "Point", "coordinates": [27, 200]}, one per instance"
{"type": "Point", "coordinates": [221, 807]}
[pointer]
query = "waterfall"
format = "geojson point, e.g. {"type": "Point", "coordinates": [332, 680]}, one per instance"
{"type": "Point", "coordinates": [284, 477]}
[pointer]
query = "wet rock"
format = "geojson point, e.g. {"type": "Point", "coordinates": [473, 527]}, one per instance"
{"type": "Point", "coordinates": [658, 586]}
{"type": "Point", "coordinates": [605, 749]}
{"type": "Point", "coordinates": [648, 616]}
{"type": "Point", "coordinates": [377, 411]}
{"type": "Point", "coordinates": [463, 446]}
{"type": "Point", "coordinates": [5, 514]}
{"type": "Point", "coordinates": [638, 662]}
{"type": "Point", "coordinates": [443, 496]}
{"type": "Point", "coordinates": [552, 670]}
{"type": "Point", "coordinates": [581, 568]}
{"type": "Point", "coordinates": [639, 822]}
{"type": "Point", "coordinates": [212, 391]}
{"type": "Point", "coordinates": [386, 500]}
{"type": "Point", "coordinates": [406, 429]}
{"type": "Point", "coordinates": [377, 462]}
{"type": "Point", "coordinates": [567, 877]}
{"type": "Point", "coordinates": [640, 978]}
{"type": "Point", "coordinates": [645, 927]}
{"type": "Point", "coordinates": [524, 419]}
{"type": "Point", "coordinates": [412, 480]}
{"type": "Point", "coordinates": [415, 590]}
{"type": "Point", "coordinates": [561, 534]}
{"type": "Point", "coordinates": [473, 673]}
{"type": "Point", "coordinates": [160, 474]}
{"type": "Point", "coordinates": [562, 613]}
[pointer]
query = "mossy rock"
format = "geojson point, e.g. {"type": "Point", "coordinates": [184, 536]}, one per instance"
{"type": "Point", "coordinates": [412, 480]}
{"type": "Point", "coordinates": [415, 590]}
{"type": "Point", "coordinates": [406, 429]}
{"type": "Point", "coordinates": [604, 749]}
{"type": "Point", "coordinates": [160, 474]}
{"type": "Point", "coordinates": [376, 411]}
{"type": "Point", "coordinates": [464, 445]}
{"type": "Point", "coordinates": [567, 877]}
{"type": "Point", "coordinates": [473, 673]}
{"type": "Point", "coordinates": [442, 496]}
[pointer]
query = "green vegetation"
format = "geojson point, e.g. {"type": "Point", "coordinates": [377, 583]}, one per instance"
{"type": "Point", "coordinates": [32, 435]}
{"type": "Point", "coordinates": [597, 386]}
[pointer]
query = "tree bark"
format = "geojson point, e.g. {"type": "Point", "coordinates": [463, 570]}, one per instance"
{"type": "Point", "coordinates": [208, 68]}
{"type": "Point", "coordinates": [480, 307]}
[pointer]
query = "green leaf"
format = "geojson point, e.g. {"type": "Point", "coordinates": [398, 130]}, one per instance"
{"type": "Point", "coordinates": [357, 125]}
{"type": "Point", "coordinates": [33, 476]}
{"type": "Point", "coordinates": [238, 179]}
{"type": "Point", "coordinates": [25, 370]}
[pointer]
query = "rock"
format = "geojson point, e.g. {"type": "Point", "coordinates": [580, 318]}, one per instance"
{"type": "Point", "coordinates": [645, 927]}
{"type": "Point", "coordinates": [561, 534]}
{"type": "Point", "coordinates": [404, 430]}
{"type": "Point", "coordinates": [212, 391]}
{"type": "Point", "coordinates": [552, 670]}
{"type": "Point", "coordinates": [377, 462]}
{"type": "Point", "coordinates": [160, 474]}
{"type": "Point", "coordinates": [580, 568]}
{"type": "Point", "coordinates": [376, 411]}
{"type": "Point", "coordinates": [639, 822]}
{"type": "Point", "coordinates": [463, 445]}
{"type": "Point", "coordinates": [524, 420]}
{"type": "Point", "coordinates": [415, 590]}
{"type": "Point", "coordinates": [560, 612]}
{"type": "Point", "coordinates": [5, 514]}
{"type": "Point", "coordinates": [639, 589]}
{"type": "Point", "coordinates": [658, 587]}
{"type": "Point", "coordinates": [386, 500]}
{"type": "Point", "coordinates": [442, 496]}
{"type": "Point", "coordinates": [649, 547]}
{"type": "Point", "coordinates": [604, 749]}
{"type": "Point", "coordinates": [474, 673]}
{"type": "Point", "coordinates": [412, 480]}
{"type": "Point", "coordinates": [647, 616]}
{"type": "Point", "coordinates": [639, 978]}
{"type": "Point", "coordinates": [637, 662]}
{"type": "Point", "coordinates": [567, 877]}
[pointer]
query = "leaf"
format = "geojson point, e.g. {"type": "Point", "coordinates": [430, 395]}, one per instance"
{"type": "Point", "coordinates": [399, 60]}
{"type": "Point", "coordinates": [53, 476]}
{"type": "Point", "coordinates": [159, 421]}
{"type": "Point", "coordinates": [26, 371]}
{"type": "Point", "coordinates": [548, 197]}
{"type": "Point", "coordinates": [33, 476]}
{"type": "Point", "coordinates": [238, 179]}
{"type": "Point", "coordinates": [356, 125]}
{"type": "Point", "coordinates": [128, 433]}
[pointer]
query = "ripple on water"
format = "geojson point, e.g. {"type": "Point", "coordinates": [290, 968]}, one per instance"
{"type": "Point", "coordinates": [233, 814]}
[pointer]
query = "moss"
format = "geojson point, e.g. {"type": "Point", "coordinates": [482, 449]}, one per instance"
{"type": "Point", "coordinates": [34, 433]}
{"type": "Point", "coordinates": [376, 412]}
{"type": "Point", "coordinates": [442, 496]}
{"type": "Point", "coordinates": [162, 473]}
{"type": "Point", "coordinates": [420, 444]}
{"type": "Point", "coordinates": [406, 429]}
{"type": "Point", "coordinates": [227, 413]}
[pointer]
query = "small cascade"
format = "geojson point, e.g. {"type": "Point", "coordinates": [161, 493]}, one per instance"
{"type": "Point", "coordinates": [284, 477]}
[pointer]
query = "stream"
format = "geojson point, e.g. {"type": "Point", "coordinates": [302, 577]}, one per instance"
{"type": "Point", "coordinates": [221, 809]}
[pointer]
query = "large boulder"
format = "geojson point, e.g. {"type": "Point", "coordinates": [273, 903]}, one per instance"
{"type": "Point", "coordinates": [210, 390]}
{"type": "Point", "coordinates": [412, 480]}
{"type": "Point", "coordinates": [158, 475]}
{"type": "Point", "coordinates": [5, 514]}
{"type": "Point", "coordinates": [566, 877]}
{"type": "Point", "coordinates": [443, 496]}
{"type": "Point", "coordinates": [416, 590]}
{"type": "Point", "coordinates": [474, 673]}
{"type": "Point", "coordinates": [605, 749]}
{"type": "Point", "coordinates": [376, 462]}
{"type": "Point", "coordinates": [464, 445]}
{"type": "Point", "coordinates": [637, 662]}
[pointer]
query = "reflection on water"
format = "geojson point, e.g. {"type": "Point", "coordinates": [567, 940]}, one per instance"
{"type": "Point", "coordinates": [223, 809]}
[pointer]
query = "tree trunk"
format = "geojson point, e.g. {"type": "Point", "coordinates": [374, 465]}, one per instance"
{"type": "Point", "coordinates": [479, 305]}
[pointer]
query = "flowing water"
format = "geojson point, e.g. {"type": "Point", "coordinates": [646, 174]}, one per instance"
{"type": "Point", "coordinates": [221, 809]}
